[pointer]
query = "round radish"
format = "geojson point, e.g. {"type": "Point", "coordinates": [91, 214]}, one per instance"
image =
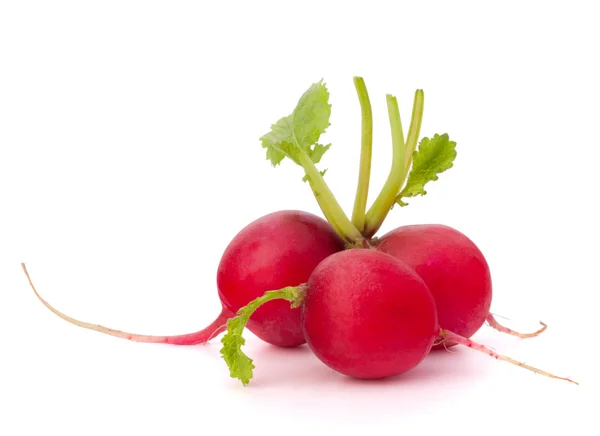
{"type": "Point", "coordinates": [368, 315]}
{"type": "Point", "coordinates": [277, 250]}
{"type": "Point", "coordinates": [453, 268]}
{"type": "Point", "coordinates": [273, 251]}
{"type": "Point", "coordinates": [365, 314]}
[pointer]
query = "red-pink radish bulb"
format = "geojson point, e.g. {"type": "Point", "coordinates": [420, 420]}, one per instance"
{"type": "Point", "coordinates": [277, 250]}
{"type": "Point", "coordinates": [453, 268]}
{"type": "Point", "coordinates": [368, 315]}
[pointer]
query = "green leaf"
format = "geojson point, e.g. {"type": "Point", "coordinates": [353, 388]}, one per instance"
{"type": "Point", "coordinates": [278, 141]}
{"type": "Point", "coordinates": [316, 153]}
{"type": "Point", "coordinates": [275, 156]}
{"type": "Point", "coordinates": [311, 116]}
{"type": "Point", "coordinates": [301, 130]}
{"type": "Point", "coordinates": [433, 157]}
{"type": "Point", "coordinates": [240, 365]}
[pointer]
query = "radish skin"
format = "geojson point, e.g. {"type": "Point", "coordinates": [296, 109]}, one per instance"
{"type": "Point", "coordinates": [365, 314]}
{"type": "Point", "coordinates": [456, 273]}
{"type": "Point", "coordinates": [277, 250]}
{"type": "Point", "coordinates": [368, 315]}
{"type": "Point", "coordinates": [452, 266]}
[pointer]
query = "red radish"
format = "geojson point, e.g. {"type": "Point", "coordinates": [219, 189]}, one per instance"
{"type": "Point", "coordinates": [365, 314]}
{"type": "Point", "coordinates": [275, 250]}
{"type": "Point", "coordinates": [455, 271]}
{"type": "Point", "coordinates": [453, 268]}
{"type": "Point", "coordinates": [280, 249]}
{"type": "Point", "coordinates": [368, 315]}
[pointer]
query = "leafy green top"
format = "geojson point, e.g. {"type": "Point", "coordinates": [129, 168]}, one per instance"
{"type": "Point", "coordinates": [296, 136]}
{"type": "Point", "coordinates": [434, 156]}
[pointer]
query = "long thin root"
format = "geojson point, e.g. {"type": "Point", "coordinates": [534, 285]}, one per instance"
{"type": "Point", "coordinates": [200, 337]}
{"type": "Point", "coordinates": [496, 325]}
{"type": "Point", "coordinates": [448, 335]}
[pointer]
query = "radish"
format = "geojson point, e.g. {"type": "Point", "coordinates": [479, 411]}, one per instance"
{"type": "Point", "coordinates": [368, 315]}
{"type": "Point", "coordinates": [453, 268]}
{"type": "Point", "coordinates": [365, 314]}
{"type": "Point", "coordinates": [455, 271]}
{"type": "Point", "coordinates": [277, 249]}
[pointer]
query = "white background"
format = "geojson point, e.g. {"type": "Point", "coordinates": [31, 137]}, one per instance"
{"type": "Point", "coordinates": [129, 157]}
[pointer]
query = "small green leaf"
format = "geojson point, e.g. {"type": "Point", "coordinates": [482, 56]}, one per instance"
{"type": "Point", "coordinates": [278, 141]}
{"type": "Point", "coordinates": [433, 157]}
{"type": "Point", "coordinates": [311, 116]}
{"type": "Point", "coordinates": [300, 131]}
{"type": "Point", "coordinates": [275, 156]}
{"type": "Point", "coordinates": [240, 365]}
{"type": "Point", "coordinates": [316, 153]}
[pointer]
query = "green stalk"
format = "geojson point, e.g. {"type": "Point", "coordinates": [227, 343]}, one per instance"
{"type": "Point", "coordinates": [327, 202]}
{"type": "Point", "coordinates": [364, 175]}
{"type": "Point", "coordinates": [401, 161]}
{"type": "Point", "coordinates": [240, 365]}
{"type": "Point", "coordinates": [413, 131]}
{"type": "Point", "coordinates": [385, 199]}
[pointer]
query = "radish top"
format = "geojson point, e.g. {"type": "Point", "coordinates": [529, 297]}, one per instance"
{"type": "Point", "coordinates": [297, 136]}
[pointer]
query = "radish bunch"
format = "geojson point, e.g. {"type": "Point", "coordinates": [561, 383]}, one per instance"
{"type": "Point", "coordinates": [367, 306]}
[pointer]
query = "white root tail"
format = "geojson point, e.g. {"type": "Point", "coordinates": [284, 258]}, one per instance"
{"type": "Point", "coordinates": [496, 325]}
{"type": "Point", "coordinates": [448, 335]}
{"type": "Point", "coordinates": [215, 328]}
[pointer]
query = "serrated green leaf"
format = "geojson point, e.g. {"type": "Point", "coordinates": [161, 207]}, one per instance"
{"type": "Point", "coordinates": [433, 157]}
{"type": "Point", "coordinates": [301, 130]}
{"type": "Point", "coordinates": [316, 153]}
{"type": "Point", "coordinates": [275, 156]}
{"type": "Point", "coordinates": [240, 365]}
{"type": "Point", "coordinates": [311, 115]}
{"type": "Point", "coordinates": [277, 140]}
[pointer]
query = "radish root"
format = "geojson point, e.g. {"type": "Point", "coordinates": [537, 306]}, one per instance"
{"type": "Point", "coordinates": [496, 325]}
{"type": "Point", "coordinates": [200, 337]}
{"type": "Point", "coordinates": [448, 335]}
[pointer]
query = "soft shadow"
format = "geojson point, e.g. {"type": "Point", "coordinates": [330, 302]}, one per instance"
{"type": "Point", "coordinates": [299, 368]}
{"type": "Point", "coordinates": [288, 367]}
{"type": "Point", "coordinates": [439, 366]}
{"type": "Point", "coordinates": [439, 378]}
